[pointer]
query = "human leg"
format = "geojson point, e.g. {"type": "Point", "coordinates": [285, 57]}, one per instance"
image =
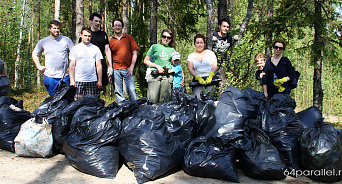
{"type": "Point", "coordinates": [118, 90]}
{"type": "Point", "coordinates": [165, 88]}
{"type": "Point", "coordinates": [91, 89]}
{"type": "Point", "coordinates": [153, 90]}
{"type": "Point", "coordinates": [130, 88]}
{"type": "Point", "coordinates": [197, 91]}
{"type": "Point", "coordinates": [51, 84]}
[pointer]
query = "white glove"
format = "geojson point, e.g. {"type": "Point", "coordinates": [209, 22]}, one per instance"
{"type": "Point", "coordinates": [235, 37]}
{"type": "Point", "coordinates": [110, 71]}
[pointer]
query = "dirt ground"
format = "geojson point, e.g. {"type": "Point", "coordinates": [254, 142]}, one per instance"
{"type": "Point", "coordinates": [57, 170]}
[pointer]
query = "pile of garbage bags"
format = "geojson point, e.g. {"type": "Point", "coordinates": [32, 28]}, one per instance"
{"type": "Point", "coordinates": [263, 138]}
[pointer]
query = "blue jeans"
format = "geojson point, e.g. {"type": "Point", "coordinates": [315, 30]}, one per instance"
{"type": "Point", "coordinates": [119, 75]}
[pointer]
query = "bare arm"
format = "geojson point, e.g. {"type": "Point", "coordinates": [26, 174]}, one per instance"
{"type": "Point", "coordinates": [72, 72]}
{"type": "Point", "coordinates": [36, 60]}
{"type": "Point", "coordinates": [183, 79]}
{"type": "Point", "coordinates": [265, 91]}
{"type": "Point", "coordinates": [191, 69]}
{"type": "Point", "coordinates": [134, 59]}
{"type": "Point", "coordinates": [99, 74]}
{"type": "Point", "coordinates": [214, 65]}
{"type": "Point", "coordinates": [108, 56]}
{"type": "Point", "coordinates": [148, 62]}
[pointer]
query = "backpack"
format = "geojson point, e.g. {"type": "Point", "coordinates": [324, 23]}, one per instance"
{"type": "Point", "coordinates": [294, 82]}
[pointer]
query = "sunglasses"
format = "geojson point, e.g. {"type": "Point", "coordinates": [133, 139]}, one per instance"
{"type": "Point", "coordinates": [280, 48]}
{"type": "Point", "coordinates": [166, 37]}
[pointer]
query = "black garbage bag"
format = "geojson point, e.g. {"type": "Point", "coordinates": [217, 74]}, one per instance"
{"type": "Point", "coordinates": [321, 152]}
{"type": "Point", "coordinates": [211, 157]}
{"type": "Point", "coordinates": [11, 118]}
{"type": "Point", "coordinates": [309, 116]}
{"type": "Point", "coordinates": [261, 160]}
{"type": "Point", "coordinates": [232, 111]}
{"type": "Point", "coordinates": [91, 145]}
{"type": "Point", "coordinates": [146, 145]}
{"type": "Point", "coordinates": [282, 125]}
{"type": "Point", "coordinates": [53, 105]}
{"type": "Point", "coordinates": [180, 118]}
{"type": "Point", "coordinates": [61, 121]}
{"type": "Point", "coordinates": [205, 118]}
{"type": "Point", "coordinates": [256, 98]}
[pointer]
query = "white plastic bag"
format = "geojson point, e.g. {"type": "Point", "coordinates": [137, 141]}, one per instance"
{"type": "Point", "coordinates": [34, 140]}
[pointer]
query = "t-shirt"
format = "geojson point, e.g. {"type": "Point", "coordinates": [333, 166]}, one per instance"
{"type": "Point", "coordinates": [85, 57]}
{"type": "Point", "coordinates": [202, 68]}
{"type": "Point", "coordinates": [100, 39]}
{"type": "Point", "coordinates": [122, 51]}
{"type": "Point", "coordinates": [56, 54]}
{"type": "Point", "coordinates": [221, 46]}
{"type": "Point", "coordinates": [162, 55]}
{"type": "Point", "coordinates": [177, 78]}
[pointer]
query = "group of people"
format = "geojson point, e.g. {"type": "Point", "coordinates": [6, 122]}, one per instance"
{"type": "Point", "coordinates": [89, 72]}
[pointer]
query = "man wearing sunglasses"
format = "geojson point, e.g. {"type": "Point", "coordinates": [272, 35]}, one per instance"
{"type": "Point", "coordinates": [124, 55]}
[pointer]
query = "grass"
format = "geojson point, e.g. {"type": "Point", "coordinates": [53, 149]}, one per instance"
{"type": "Point", "coordinates": [33, 98]}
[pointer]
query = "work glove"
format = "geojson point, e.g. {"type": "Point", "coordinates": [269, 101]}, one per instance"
{"type": "Point", "coordinates": [110, 71]}
{"type": "Point", "coordinates": [281, 89]}
{"type": "Point", "coordinates": [166, 70]}
{"type": "Point", "coordinates": [279, 82]}
{"type": "Point", "coordinates": [200, 80]}
{"type": "Point", "coordinates": [210, 77]}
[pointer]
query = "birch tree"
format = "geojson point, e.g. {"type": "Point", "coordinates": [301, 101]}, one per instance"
{"type": "Point", "coordinates": [57, 9]}
{"type": "Point", "coordinates": [17, 61]}
{"type": "Point", "coordinates": [210, 20]}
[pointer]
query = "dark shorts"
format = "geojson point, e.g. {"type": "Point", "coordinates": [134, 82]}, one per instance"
{"type": "Point", "coordinates": [86, 89]}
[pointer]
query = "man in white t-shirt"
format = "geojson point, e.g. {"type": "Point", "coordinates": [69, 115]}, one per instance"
{"type": "Point", "coordinates": [85, 67]}
{"type": "Point", "coordinates": [55, 48]}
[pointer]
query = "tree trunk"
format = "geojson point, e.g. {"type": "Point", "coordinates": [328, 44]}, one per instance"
{"type": "Point", "coordinates": [231, 13]}
{"type": "Point", "coordinates": [210, 20]}
{"type": "Point", "coordinates": [57, 9]}
{"type": "Point", "coordinates": [38, 38]}
{"type": "Point", "coordinates": [16, 72]}
{"type": "Point", "coordinates": [79, 18]}
{"type": "Point", "coordinates": [153, 25]}
{"type": "Point", "coordinates": [317, 56]}
{"type": "Point", "coordinates": [73, 36]}
{"type": "Point", "coordinates": [125, 16]}
{"type": "Point", "coordinates": [245, 21]}
{"type": "Point", "coordinates": [269, 34]}
{"type": "Point", "coordinates": [90, 6]}
{"type": "Point", "coordinates": [102, 13]}
{"type": "Point", "coordinates": [222, 9]}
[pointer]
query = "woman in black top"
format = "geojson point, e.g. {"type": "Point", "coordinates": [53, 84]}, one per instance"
{"type": "Point", "coordinates": [278, 72]}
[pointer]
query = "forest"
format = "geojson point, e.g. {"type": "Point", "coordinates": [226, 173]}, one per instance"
{"type": "Point", "coordinates": [311, 28]}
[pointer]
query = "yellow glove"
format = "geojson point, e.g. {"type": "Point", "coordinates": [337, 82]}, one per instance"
{"type": "Point", "coordinates": [281, 89]}
{"type": "Point", "coordinates": [200, 80]}
{"type": "Point", "coordinates": [279, 81]}
{"type": "Point", "coordinates": [210, 77]}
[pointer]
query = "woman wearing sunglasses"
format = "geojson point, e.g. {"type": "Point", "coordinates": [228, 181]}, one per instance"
{"type": "Point", "coordinates": [278, 72]}
{"type": "Point", "coordinates": [160, 80]}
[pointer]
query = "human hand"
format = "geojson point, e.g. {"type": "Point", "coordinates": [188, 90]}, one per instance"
{"type": "Point", "coordinates": [129, 72]}
{"type": "Point", "coordinates": [262, 74]}
{"type": "Point", "coordinates": [99, 85]}
{"type": "Point", "coordinates": [210, 77]}
{"type": "Point", "coordinates": [266, 95]}
{"type": "Point", "coordinates": [110, 71]}
{"type": "Point", "coordinates": [182, 82]}
{"type": "Point", "coordinates": [72, 83]}
{"type": "Point", "coordinates": [279, 82]}
{"type": "Point", "coordinates": [41, 68]}
{"type": "Point", "coordinates": [281, 89]}
{"type": "Point", "coordinates": [200, 80]}
{"type": "Point", "coordinates": [160, 69]}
